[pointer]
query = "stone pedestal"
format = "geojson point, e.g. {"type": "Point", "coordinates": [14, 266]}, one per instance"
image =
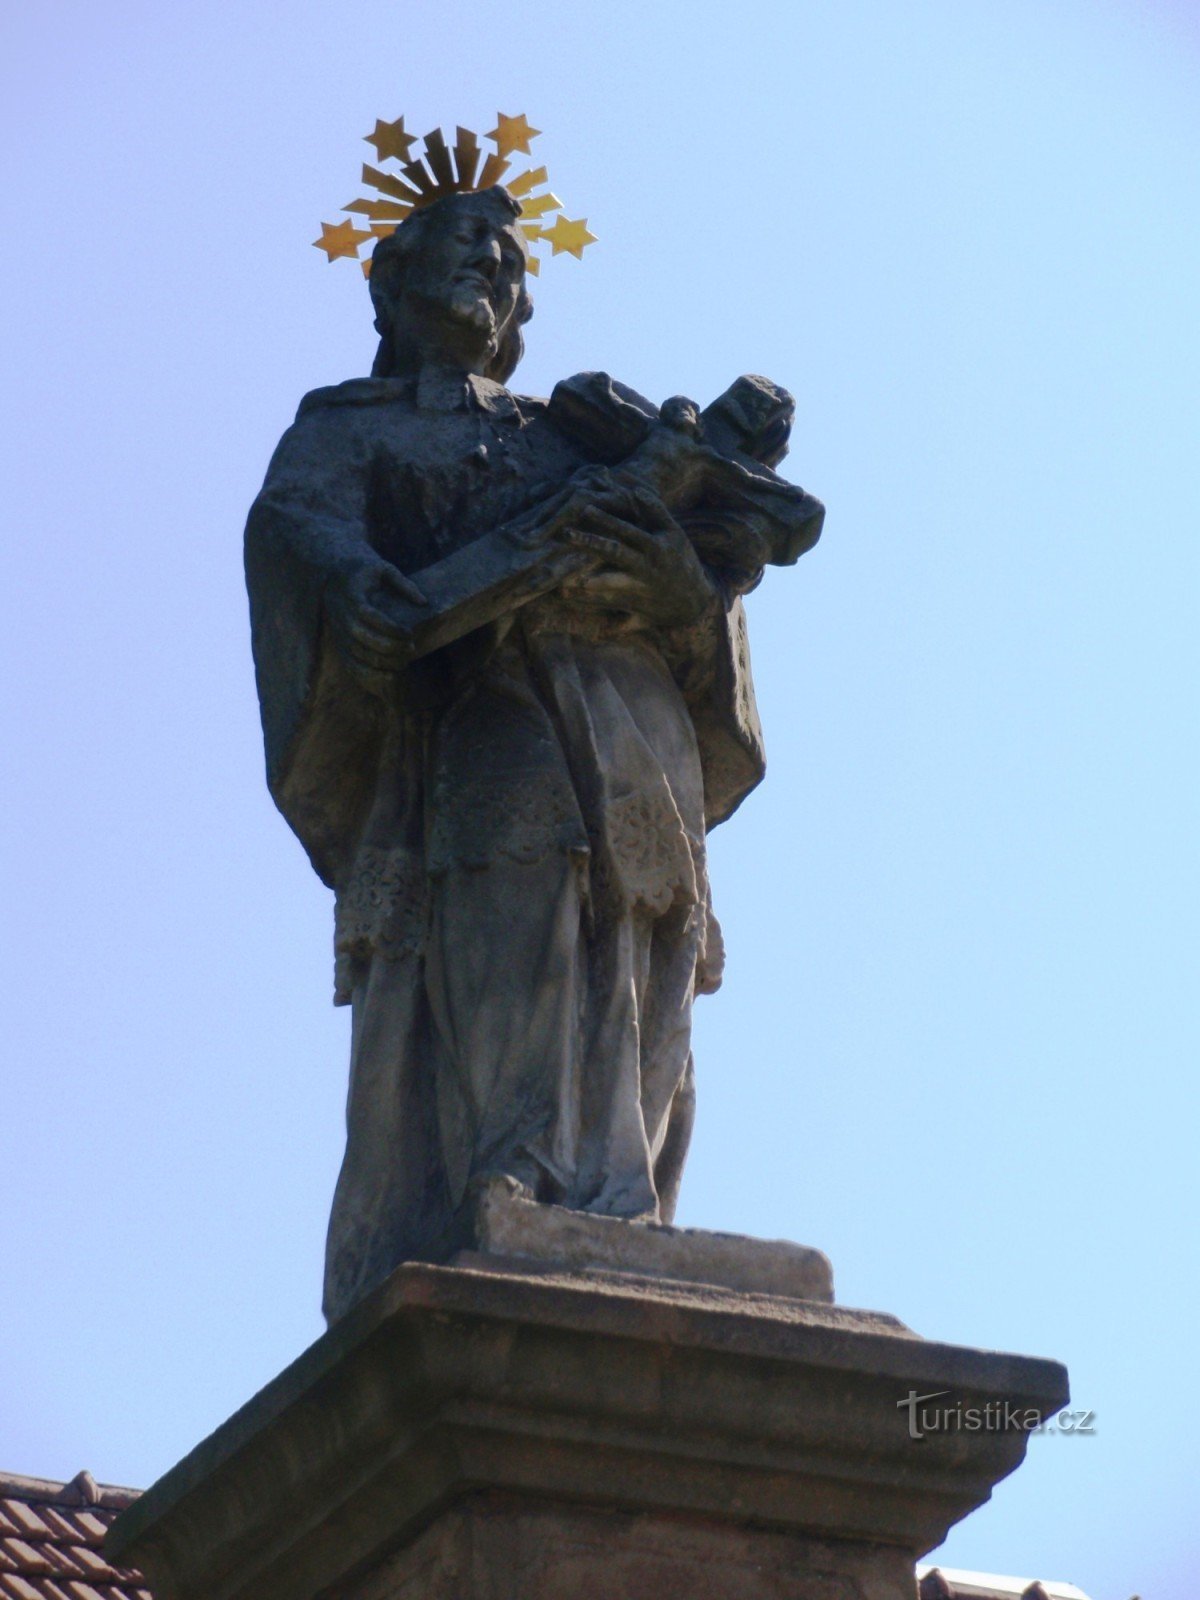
{"type": "Point", "coordinates": [505, 1430]}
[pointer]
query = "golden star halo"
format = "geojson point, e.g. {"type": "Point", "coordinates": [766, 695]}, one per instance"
{"type": "Point", "coordinates": [441, 170]}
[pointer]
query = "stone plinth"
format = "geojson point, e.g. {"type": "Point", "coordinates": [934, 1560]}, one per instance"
{"type": "Point", "coordinates": [507, 1226]}
{"type": "Point", "coordinates": [471, 1434]}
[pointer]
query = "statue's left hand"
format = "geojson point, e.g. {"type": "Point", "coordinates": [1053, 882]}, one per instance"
{"type": "Point", "coordinates": [362, 610]}
{"type": "Point", "coordinates": [649, 566]}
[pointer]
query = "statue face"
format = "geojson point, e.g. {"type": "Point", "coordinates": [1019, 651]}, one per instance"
{"type": "Point", "coordinates": [468, 271]}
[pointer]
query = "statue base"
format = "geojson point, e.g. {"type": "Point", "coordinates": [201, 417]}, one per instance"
{"type": "Point", "coordinates": [506, 1228]}
{"type": "Point", "coordinates": [521, 1431]}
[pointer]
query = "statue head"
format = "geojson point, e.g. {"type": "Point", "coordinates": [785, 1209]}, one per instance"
{"type": "Point", "coordinates": [449, 287]}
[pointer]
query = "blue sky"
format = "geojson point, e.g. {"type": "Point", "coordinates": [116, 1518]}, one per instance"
{"type": "Point", "coordinates": [957, 1043]}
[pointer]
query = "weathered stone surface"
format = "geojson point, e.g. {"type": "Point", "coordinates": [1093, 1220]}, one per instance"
{"type": "Point", "coordinates": [508, 1225]}
{"type": "Point", "coordinates": [476, 1428]}
{"type": "Point", "coordinates": [505, 685]}
{"type": "Point", "coordinates": [505, 1547]}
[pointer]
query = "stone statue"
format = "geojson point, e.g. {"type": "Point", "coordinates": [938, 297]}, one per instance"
{"type": "Point", "coordinates": [505, 689]}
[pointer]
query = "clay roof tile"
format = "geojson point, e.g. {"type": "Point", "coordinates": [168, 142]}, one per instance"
{"type": "Point", "coordinates": [50, 1537]}
{"type": "Point", "coordinates": [25, 1519]}
{"type": "Point", "coordinates": [61, 1525]}
{"type": "Point", "coordinates": [62, 1560]}
{"type": "Point", "coordinates": [14, 1587]}
{"type": "Point", "coordinates": [25, 1557]}
{"type": "Point", "coordinates": [92, 1525]}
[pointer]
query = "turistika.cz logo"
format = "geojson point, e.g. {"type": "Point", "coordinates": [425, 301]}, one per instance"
{"type": "Point", "coordinates": [994, 1416]}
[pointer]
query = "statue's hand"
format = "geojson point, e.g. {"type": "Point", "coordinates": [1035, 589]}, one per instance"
{"type": "Point", "coordinates": [548, 523]}
{"type": "Point", "coordinates": [649, 567]}
{"type": "Point", "coordinates": [363, 608]}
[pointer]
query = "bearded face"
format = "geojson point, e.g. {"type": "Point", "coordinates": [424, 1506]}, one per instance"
{"type": "Point", "coordinates": [458, 283]}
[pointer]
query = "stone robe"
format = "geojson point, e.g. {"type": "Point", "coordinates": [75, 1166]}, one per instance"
{"type": "Point", "coordinates": [514, 828]}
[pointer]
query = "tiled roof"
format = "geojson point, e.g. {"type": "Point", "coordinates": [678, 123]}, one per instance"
{"type": "Point", "coordinates": [946, 1583]}
{"type": "Point", "coordinates": [51, 1536]}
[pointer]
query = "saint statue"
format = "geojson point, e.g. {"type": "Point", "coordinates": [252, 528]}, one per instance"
{"type": "Point", "coordinates": [502, 664]}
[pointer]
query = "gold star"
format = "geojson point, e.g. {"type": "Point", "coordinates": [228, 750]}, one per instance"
{"type": "Point", "coordinates": [341, 239]}
{"type": "Point", "coordinates": [390, 139]}
{"type": "Point", "coordinates": [570, 236]}
{"type": "Point", "coordinates": [512, 133]}
{"type": "Point", "coordinates": [540, 204]}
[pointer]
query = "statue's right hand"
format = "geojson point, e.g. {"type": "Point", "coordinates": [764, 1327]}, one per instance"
{"type": "Point", "coordinates": [592, 489]}
{"type": "Point", "coordinates": [549, 522]}
{"type": "Point", "coordinates": [363, 611]}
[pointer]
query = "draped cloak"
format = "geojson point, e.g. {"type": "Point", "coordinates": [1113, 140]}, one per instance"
{"type": "Point", "coordinates": [513, 826]}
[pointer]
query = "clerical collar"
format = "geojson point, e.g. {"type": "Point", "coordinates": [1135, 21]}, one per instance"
{"type": "Point", "coordinates": [438, 389]}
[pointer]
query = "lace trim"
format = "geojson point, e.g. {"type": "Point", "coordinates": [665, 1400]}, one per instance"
{"type": "Point", "coordinates": [380, 911]}
{"type": "Point", "coordinates": [657, 862]}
